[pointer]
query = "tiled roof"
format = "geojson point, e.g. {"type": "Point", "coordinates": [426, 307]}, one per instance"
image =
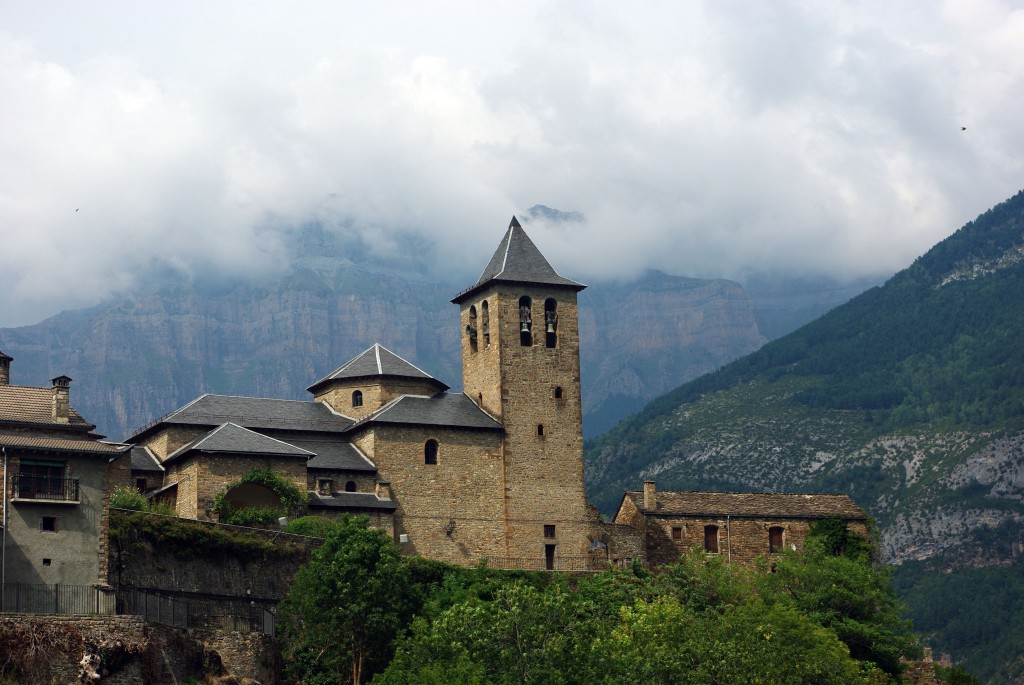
{"type": "Point", "coordinates": [144, 460]}
{"type": "Point", "coordinates": [350, 500]}
{"type": "Point", "coordinates": [450, 410]}
{"type": "Point", "coordinates": [23, 404]}
{"type": "Point", "coordinates": [61, 444]}
{"type": "Point", "coordinates": [517, 260]}
{"type": "Point", "coordinates": [333, 454]}
{"type": "Point", "coordinates": [750, 504]}
{"type": "Point", "coordinates": [231, 438]}
{"type": "Point", "coordinates": [377, 361]}
{"type": "Point", "coordinates": [254, 413]}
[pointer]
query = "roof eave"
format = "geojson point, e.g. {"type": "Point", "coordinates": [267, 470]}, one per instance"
{"type": "Point", "coordinates": [469, 292]}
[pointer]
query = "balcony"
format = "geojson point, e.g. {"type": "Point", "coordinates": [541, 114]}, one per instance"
{"type": "Point", "coordinates": [33, 488]}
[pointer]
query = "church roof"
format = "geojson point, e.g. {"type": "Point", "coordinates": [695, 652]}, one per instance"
{"type": "Point", "coordinates": [332, 454]}
{"type": "Point", "coordinates": [447, 410]}
{"type": "Point", "coordinates": [233, 438]}
{"type": "Point", "coordinates": [29, 405]}
{"type": "Point", "coordinates": [144, 460]}
{"type": "Point", "coordinates": [254, 413]}
{"type": "Point", "coordinates": [517, 260]}
{"type": "Point", "coordinates": [376, 361]}
{"type": "Point", "coordinates": [747, 504]}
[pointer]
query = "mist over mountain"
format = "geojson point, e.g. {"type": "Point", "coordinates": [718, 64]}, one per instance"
{"type": "Point", "coordinates": [910, 398]}
{"type": "Point", "coordinates": [334, 293]}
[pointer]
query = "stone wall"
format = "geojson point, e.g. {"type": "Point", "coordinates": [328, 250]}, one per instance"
{"type": "Point", "coordinates": [124, 650]}
{"type": "Point", "coordinates": [375, 394]}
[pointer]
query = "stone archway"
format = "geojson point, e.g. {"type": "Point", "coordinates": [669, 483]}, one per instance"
{"type": "Point", "coordinates": [253, 495]}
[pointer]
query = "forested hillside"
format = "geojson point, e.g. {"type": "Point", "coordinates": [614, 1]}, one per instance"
{"type": "Point", "coordinates": [910, 397]}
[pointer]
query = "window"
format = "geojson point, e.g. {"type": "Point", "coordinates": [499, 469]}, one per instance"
{"type": "Point", "coordinates": [471, 328]}
{"type": "Point", "coordinates": [677, 533]}
{"type": "Point", "coordinates": [540, 430]}
{"type": "Point", "coordinates": [44, 480]}
{"type": "Point", "coordinates": [549, 530]}
{"type": "Point", "coordinates": [558, 393]}
{"type": "Point", "coordinates": [549, 557]}
{"type": "Point", "coordinates": [711, 539]}
{"type": "Point", "coordinates": [485, 323]}
{"type": "Point", "coordinates": [47, 562]}
{"type": "Point", "coordinates": [775, 539]}
{"type": "Point", "coordinates": [357, 398]}
{"type": "Point", "coordinates": [550, 323]}
{"type": "Point", "coordinates": [525, 321]}
{"type": "Point", "coordinates": [325, 487]}
{"type": "Point", "coordinates": [140, 484]}
{"type": "Point", "coordinates": [48, 524]}
{"type": "Point", "coordinates": [350, 486]}
{"type": "Point", "coordinates": [430, 452]}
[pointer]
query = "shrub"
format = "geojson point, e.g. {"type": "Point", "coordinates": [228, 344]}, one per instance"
{"type": "Point", "coordinates": [127, 497]}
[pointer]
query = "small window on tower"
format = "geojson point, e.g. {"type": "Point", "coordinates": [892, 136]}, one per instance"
{"type": "Point", "coordinates": [549, 530]}
{"type": "Point", "coordinates": [558, 393]}
{"type": "Point", "coordinates": [430, 452]}
{"type": "Point", "coordinates": [540, 429]}
{"type": "Point", "coordinates": [357, 398]}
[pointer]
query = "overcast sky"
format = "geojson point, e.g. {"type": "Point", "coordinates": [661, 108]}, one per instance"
{"type": "Point", "coordinates": [701, 138]}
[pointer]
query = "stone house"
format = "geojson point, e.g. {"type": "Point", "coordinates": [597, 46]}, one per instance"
{"type": "Point", "coordinates": [494, 472]}
{"type": "Point", "coordinates": [58, 480]}
{"type": "Point", "coordinates": [740, 526]}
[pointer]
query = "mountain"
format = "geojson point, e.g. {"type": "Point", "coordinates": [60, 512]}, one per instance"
{"type": "Point", "coordinates": [140, 356]}
{"type": "Point", "coordinates": [910, 398]}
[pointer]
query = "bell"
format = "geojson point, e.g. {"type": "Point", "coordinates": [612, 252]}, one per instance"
{"type": "Point", "coordinates": [551, 327]}
{"type": "Point", "coordinates": [525, 328]}
{"type": "Point", "coordinates": [471, 330]}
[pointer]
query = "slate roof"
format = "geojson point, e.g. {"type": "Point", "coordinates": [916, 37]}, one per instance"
{"type": "Point", "coordinates": [350, 500]}
{"type": "Point", "coordinates": [333, 454]}
{"type": "Point", "coordinates": [24, 404]}
{"type": "Point", "coordinates": [231, 438]}
{"type": "Point", "coordinates": [61, 444]}
{"type": "Point", "coordinates": [517, 260]}
{"type": "Point", "coordinates": [450, 410]}
{"type": "Point", "coordinates": [144, 460]}
{"type": "Point", "coordinates": [253, 413]}
{"type": "Point", "coordinates": [771, 505]}
{"type": "Point", "coordinates": [377, 361]}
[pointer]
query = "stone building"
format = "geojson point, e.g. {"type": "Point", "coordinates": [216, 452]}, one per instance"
{"type": "Point", "coordinates": [493, 472]}
{"type": "Point", "coordinates": [58, 479]}
{"type": "Point", "coordinates": [740, 526]}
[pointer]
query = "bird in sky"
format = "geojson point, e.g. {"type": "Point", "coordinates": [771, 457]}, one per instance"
{"type": "Point", "coordinates": [963, 128]}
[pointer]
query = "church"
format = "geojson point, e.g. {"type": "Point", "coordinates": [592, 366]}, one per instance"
{"type": "Point", "coordinates": [494, 472]}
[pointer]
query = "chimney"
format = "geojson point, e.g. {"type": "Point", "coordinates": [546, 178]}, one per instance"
{"type": "Point", "coordinates": [61, 399]}
{"type": "Point", "coordinates": [383, 489]}
{"type": "Point", "coordinates": [5, 369]}
{"type": "Point", "coordinates": [650, 496]}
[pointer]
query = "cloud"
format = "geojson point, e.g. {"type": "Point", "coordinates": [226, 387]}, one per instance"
{"type": "Point", "coordinates": [713, 139]}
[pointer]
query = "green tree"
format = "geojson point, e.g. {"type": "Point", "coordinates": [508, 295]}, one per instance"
{"type": "Point", "coordinates": [346, 606]}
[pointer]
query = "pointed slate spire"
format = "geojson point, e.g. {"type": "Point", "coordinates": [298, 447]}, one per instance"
{"type": "Point", "coordinates": [517, 260]}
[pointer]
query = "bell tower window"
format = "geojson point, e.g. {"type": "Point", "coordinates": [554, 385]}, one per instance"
{"type": "Point", "coordinates": [525, 322]}
{"type": "Point", "coordinates": [471, 328]}
{"type": "Point", "coordinates": [485, 323]}
{"type": "Point", "coordinates": [550, 323]}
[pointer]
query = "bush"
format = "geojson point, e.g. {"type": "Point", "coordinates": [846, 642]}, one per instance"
{"type": "Point", "coordinates": [127, 497]}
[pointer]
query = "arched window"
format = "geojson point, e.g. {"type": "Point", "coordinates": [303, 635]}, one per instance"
{"type": "Point", "coordinates": [485, 323]}
{"type": "Point", "coordinates": [350, 486]}
{"type": "Point", "coordinates": [558, 393]}
{"type": "Point", "coordinates": [711, 539]}
{"type": "Point", "coordinates": [430, 452]}
{"type": "Point", "coordinates": [357, 398]}
{"type": "Point", "coordinates": [525, 321]}
{"type": "Point", "coordinates": [775, 539]}
{"type": "Point", "coordinates": [471, 328]}
{"type": "Point", "coordinates": [550, 323]}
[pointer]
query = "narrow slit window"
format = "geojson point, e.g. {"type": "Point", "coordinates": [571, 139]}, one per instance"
{"type": "Point", "coordinates": [485, 323]}
{"type": "Point", "coordinates": [558, 393]}
{"type": "Point", "coordinates": [430, 452]}
{"type": "Point", "coordinates": [471, 328]}
{"type": "Point", "coordinates": [540, 430]}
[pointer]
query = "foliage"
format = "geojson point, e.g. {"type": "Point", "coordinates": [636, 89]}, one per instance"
{"type": "Point", "coordinates": [311, 526]}
{"type": "Point", "coordinates": [982, 635]}
{"type": "Point", "coordinates": [346, 606]}
{"type": "Point", "coordinates": [190, 539]}
{"type": "Point", "coordinates": [290, 497]}
{"type": "Point", "coordinates": [127, 497]}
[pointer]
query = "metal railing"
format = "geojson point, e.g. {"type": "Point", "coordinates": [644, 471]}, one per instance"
{"type": "Point", "coordinates": [32, 598]}
{"type": "Point", "coordinates": [31, 486]}
{"type": "Point", "coordinates": [178, 612]}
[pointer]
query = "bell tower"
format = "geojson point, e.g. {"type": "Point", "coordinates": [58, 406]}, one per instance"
{"type": "Point", "coordinates": [521, 364]}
